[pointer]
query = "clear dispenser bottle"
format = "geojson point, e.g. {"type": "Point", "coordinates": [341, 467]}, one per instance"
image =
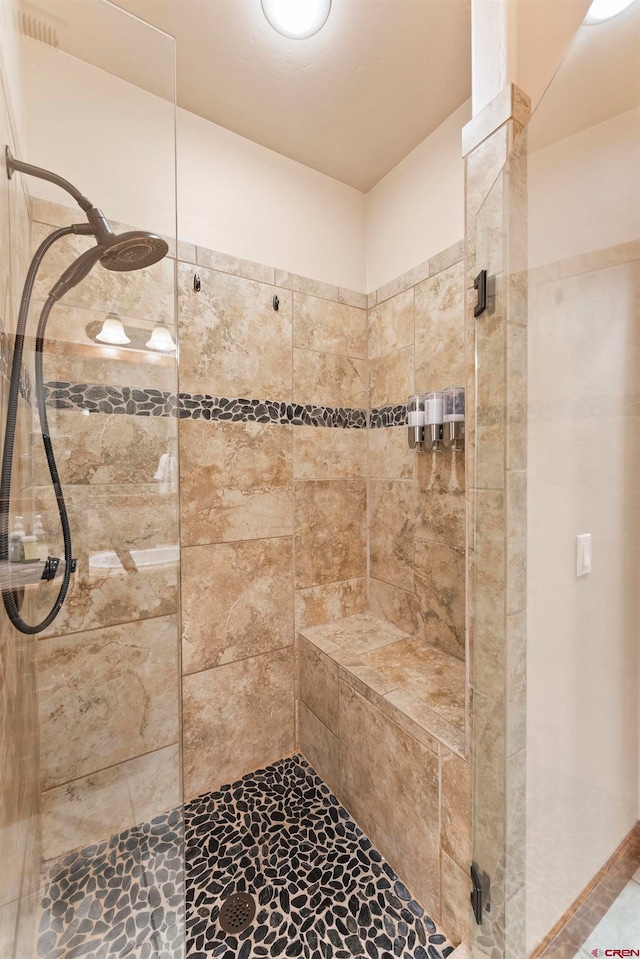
{"type": "Point", "coordinates": [16, 548]}
{"type": "Point", "coordinates": [41, 538]}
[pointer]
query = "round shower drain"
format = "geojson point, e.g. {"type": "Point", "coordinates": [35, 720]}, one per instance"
{"type": "Point", "coordinates": [237, 912]}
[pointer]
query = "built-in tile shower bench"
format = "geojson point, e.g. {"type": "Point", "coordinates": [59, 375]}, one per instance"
{"type": "Point", "coordinates": [382, 719]}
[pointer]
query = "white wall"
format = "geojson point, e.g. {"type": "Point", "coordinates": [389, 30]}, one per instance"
{"type": "Point", "coordinates": [589, 187]}
{"type": "Point", "coordinates": [583, 702]}
{"type": "Point", "coordinates": [245, 200]}
{"type": "Point", "coordinates": [116, 143]}
{"type": "Point", "coordinates": [417, 210]}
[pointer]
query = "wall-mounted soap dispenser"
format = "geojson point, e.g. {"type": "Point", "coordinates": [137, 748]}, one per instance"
{"type": "Point", "coordinates": [453, 416]}
{"type": "Point", "coordinates": [433, 407]}
{"type": "Point", "coordinates": [415, 420]}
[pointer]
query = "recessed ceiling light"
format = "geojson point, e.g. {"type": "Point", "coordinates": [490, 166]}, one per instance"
{"type": "Point", "coordinates": [605, 9]}
{"type": "Point", "coordinates": [296, 19]}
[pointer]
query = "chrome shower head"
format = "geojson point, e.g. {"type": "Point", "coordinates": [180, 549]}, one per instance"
{"type": "Point", "coordinates": [133, 251]}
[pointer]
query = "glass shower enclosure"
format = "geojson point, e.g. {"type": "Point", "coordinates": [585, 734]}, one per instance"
{"type": "Point", "coordinates": [556, 656]}
{"type": "Point", "coordinates": [91, 714]}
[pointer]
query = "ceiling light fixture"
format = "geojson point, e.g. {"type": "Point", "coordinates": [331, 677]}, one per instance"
{"type": "Point", "coordinates": [606, 9]}
{"type": "Point", "coordinates": [161, 340]}
{"type": "Point", "coordinates": [113, 331]}
{"type": "Point", "coordinates": [296, 19]}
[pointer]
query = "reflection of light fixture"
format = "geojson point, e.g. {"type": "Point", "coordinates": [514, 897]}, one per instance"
{"type": "Point", "coordinates": [113, 331]}
{"type": "Point", "coordinates": [297, 19]}
{"type": "Point", "coordinates": [160, 340]}
{"type": "Point", "coordinates": [605, 9]}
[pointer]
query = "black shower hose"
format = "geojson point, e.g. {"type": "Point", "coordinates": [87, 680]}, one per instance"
{"type": "Point", "coordinates": [8, 594]}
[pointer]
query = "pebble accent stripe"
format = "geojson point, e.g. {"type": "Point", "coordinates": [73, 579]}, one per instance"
{"type": "Point", "coordinates": [384, 416]}
{"type": "Point", "coordinates": [143, 402]}
{"type": "Point", "coordinates": [322, 891]}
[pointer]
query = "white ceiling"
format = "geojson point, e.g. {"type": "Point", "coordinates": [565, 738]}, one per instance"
{"type": "Point", "coordinates": [599, 78]}
{"type": "Point", "coordinates": [351, 101]}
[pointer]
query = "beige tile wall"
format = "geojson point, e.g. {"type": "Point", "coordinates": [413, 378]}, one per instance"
{"type": "Point", "coordinates": [273, 517]}
{"type": "Point", "coordinates": [20, 807]}
{"type": "Point", "coordinates": [417, 501]}
{"type": "Point", "coordinates": [108, 667]}
{"type": "Point", "coordinates": [410, 793]}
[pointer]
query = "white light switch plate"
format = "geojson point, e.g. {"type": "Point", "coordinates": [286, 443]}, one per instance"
{"type": "Point", "coordinates": [583, 554]}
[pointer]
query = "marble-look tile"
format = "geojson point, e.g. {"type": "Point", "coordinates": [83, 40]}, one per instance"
{"type": "Point", "coordinates": [324, 604]}
{"type": "Point", "coordinates": [423, 723]}
{"type": "Point", "coordinates": [330, 529]}
{"type": "Point", "coordinates": [391, 378]}
{"type": "Point", "coordinates": [403, 282]}
{"type": "Point", "coordinates": [304, 284]}
{"type": "Point", "coordinates": [391, 522]}
{"type": "Point", "coordinates": [322, 453]}
{"type": "Point", "coordinates": [328, 327]}
{"type": "Point", "coordinates": [516, 825]}
{"type": "Point", "coordinates": [125, 539]}
{"type": "Point", "coordinates": [237, 718]}
{"type": "Point", "coordinates": [319, 683]}
{"type": "Point", "coordinates": [516, 678]}
{"type": "Point", "coordinates": [391, 324]}
{"type": "Point", "coordinates": [489, 594]}
{"type": "Point", "coordinates": [224, 349]}
{"type": "Point", "coordinates": [369, 742]}
{"type": "Point", "coordinates": [389, 454]}
{"type": "Point", "coordinates": [106, 696]}
{"type": "Point", "coordinates": [105, 449]}
{"type": "Point", "coordinates": [237, 601]}
{"type": "Point", "coordinates": [72, 361]}
{"type": "Point", "coordinates": [440, 595]}
{"type": "Point", "coordinates": [8, 922]}
{"type": "Point", "coordinates": [391, 603]}
{"type": "Point", "coordinates": [489, 811]}
{"type": "Point", "coordinates": [440, 498]}
{"type": "Point", "coordinates": [235, 481]}
{"type": "Point", "coordinates": [153, 782]}
{"type": "Point", "coordinates": [319, 746]}
{"type": "Point", "coordinates": [93, 808]}
{"type": "Point", "coordinates": [357, 634]}
{"type": "Point", "coordinates": [456, 908]}
{"type": "Point", "coordinates": [353, 298]}
{"type": "Point", "coordinates": [147, 294]}
{"type": "Point", "coordinates": [510, 103]}
{"type": "Point", "coordinates": [446, 258]}
{"type": "Point", "coordinates": [223, 263]}
{"type": "Point", "coordinates": [456, 809]}
{"type": "Point", "coordinates": [440, 330]}
{"type": "Point", "coordinates": [516, 395]}
{"type": "Point", "coordinates": [516, 541]}
{"type": "Point", "coordinates": [426, 674]}
{"type": "Point", "coordinates": [329, 380]}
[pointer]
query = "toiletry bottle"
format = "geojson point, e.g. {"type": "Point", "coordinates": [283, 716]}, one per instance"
{"type": "Point", "coordinates": [41, 538]}
{"type": "Point", "coordinates": [16, 552]}
{"type": "Point", "coordinates": [29, 549]}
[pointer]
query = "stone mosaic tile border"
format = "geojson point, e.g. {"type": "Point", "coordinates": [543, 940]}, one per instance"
{"type": "Point", "coordinates": [384, 416]}
{"type": "Point", "coordinates": [322, 890]}
{"type": "Point", "coordinates": [146, 402]}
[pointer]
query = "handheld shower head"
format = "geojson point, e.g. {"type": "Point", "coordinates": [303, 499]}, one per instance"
{"type": "Point", "coordinates": [133, 251]}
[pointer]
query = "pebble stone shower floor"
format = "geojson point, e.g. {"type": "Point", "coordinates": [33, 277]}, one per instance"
{"type": "Point", "coordinates": [321, 889]}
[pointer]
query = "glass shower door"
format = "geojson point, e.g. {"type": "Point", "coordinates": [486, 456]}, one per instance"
{"type": "Point", "coordinates": [98, 108]}
{"type": "Point", "coordinates": [556, 658]}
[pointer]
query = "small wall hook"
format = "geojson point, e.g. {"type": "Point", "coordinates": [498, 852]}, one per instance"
{"type": "Point", "coordinates": [276, 303]}
{"type": "Point", "coordinates": [197, 285]}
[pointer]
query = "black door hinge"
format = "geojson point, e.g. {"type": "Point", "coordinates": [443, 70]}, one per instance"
{"type": "Point", "coordinates": [480, 284]}
{"type": "Point", "coordinates": [481, 894]}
